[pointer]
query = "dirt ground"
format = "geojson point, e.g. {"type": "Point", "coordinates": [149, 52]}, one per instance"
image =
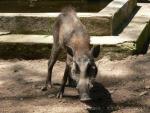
{"type": "Point", "coordinates": [127, 81]}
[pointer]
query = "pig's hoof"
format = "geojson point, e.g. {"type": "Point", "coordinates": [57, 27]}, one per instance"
{"type": "Point", "coordinates": [59, 95]}
{"type": "Point", "coordinates": [45, 88]}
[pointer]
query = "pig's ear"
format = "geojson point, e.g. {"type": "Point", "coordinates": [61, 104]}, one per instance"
{"type": "Point", "coordinates": [69, 50]}
{"type": "Point", "coordinates": [95, 51]}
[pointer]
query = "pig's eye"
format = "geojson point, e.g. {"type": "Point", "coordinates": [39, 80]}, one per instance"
{"type": "Point", "coordinates": [77, 69]}
{"type": "Point", "coordinates": [92, 70]}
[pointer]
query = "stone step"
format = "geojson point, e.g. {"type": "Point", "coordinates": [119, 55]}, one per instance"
{"type": "Point", "coordinates": [104, 22]}
{"type": "Point", "coordinates": [138, 30]}
{"type": "Point", "coordinates": [39, 46]}
{"type": "Point", "coordinates": [48, 39]}
{"type": "Point", "coordinates": [132, 39]}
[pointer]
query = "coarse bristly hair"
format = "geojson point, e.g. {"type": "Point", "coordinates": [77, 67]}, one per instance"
{"type": "Point", "coordinates": [68, 10]}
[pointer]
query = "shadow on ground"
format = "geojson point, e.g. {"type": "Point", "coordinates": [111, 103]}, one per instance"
{"type": "Point", "coordinates": [102, 102]}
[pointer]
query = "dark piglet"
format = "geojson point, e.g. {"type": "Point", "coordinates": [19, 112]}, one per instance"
{"type": "Point", "coordinates": [71, 35]}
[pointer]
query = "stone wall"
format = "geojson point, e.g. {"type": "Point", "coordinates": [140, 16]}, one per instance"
{"type": "Point", "coordinates": [51, 5]}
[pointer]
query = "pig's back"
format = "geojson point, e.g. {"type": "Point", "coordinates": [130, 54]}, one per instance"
{"type": "Point", "coordinates": [71, 27]}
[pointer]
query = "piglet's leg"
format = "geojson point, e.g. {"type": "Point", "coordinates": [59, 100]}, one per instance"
{"type": "Point", "coordinates": [53, 58]}
{"type": "Point", "coordinates": [66, 74]}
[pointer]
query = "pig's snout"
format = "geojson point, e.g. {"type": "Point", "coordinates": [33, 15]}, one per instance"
{"type": "Point", "coordinates": [84, 92]}
{"type": "Point", "coordinates": [85, 97]}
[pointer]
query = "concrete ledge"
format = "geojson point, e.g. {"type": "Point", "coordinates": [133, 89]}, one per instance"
{"type": "Point", "coordinates": [39, 46]}
{"type": "Point", "coordinates": [105, 22]}
{"type": "Point", "coordinates": [48, 39]}
{"type": "Point", "coordinates": [26, 39]}
{"type": "Point", "coordinates": [138, 30]}
{"type": "Point", "coordinates": [133, 39]}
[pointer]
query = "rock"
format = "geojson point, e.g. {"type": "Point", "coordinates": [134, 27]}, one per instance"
{"type": "Point", "coordinates": [21, 99]}
{"type": "Point", "coordinates": [4, 33]}
{"type": "Point", "coordinates": [143, 93]}
{"type": "Point", "coordinates": [112, 91]}
{"type": "Point", "coordinates": [147, 87]}
{"type": "Point", "coordinates": [51, 95]}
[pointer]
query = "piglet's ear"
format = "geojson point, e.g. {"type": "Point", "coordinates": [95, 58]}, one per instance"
{"type": "Point", "coordinates": [95, 51]}
{"type": "Point", "coordinates": [69, 50]}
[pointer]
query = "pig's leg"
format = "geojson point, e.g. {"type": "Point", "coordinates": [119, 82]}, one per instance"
{"type": "Point", "coordinates": [71, 82]}
{"type": "Point", "coordinates": [65, 77]}
{"type": "Point", "coordinates": [53, 58]}
{"type": "Point", "coordinates": [66, 74]}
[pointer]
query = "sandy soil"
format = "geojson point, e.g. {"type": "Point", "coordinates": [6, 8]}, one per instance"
{"type": "Point", "coordinates": [127, 80]}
